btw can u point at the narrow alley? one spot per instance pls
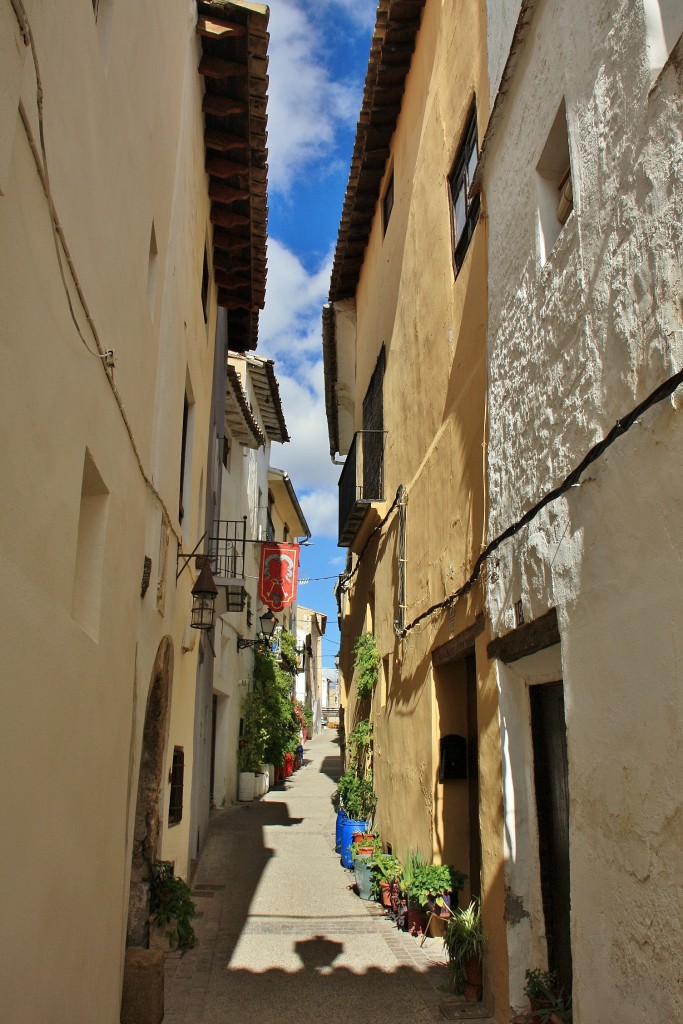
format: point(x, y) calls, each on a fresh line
point(282, 934)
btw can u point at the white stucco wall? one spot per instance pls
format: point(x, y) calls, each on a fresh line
point(123, 131)
point(574, 343)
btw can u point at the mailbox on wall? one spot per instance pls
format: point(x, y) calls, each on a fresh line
point(453, 758)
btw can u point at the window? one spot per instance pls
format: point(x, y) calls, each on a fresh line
point(186, 451)
point(373, 438)
point(152, 270)
point(388, 202)
point(92, 528)
point(205, 288)
point(464, 208)
point(175, 806)
point(554, 184)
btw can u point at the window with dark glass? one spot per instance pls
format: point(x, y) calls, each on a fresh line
point(464, 208)
point(175, 806)
point(388, 202)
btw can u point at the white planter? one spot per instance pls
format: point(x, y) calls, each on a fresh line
point(261, 784)
point(269, 771)
point(246, 786)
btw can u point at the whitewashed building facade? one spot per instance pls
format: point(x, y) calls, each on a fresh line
point(581, 172)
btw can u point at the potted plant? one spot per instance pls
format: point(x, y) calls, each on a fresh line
point(549, 1004)
point(433, 887)
point(386, 870)
point(171, 905)
point(465, 943)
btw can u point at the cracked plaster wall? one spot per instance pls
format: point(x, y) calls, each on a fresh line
point(573, 345)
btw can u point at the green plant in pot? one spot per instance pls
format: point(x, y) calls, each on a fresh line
point(465, 943)
point(549, 1004)
point(386, 869)
point(171, 904)
point(433, 886)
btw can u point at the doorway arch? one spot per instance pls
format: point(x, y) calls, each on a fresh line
point(148, 818)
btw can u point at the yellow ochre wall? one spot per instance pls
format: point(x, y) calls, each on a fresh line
point(433, 326)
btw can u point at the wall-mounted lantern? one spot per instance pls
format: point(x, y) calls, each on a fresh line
point(203, 599)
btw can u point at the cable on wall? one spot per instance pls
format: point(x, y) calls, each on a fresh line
point(59, 238)
point(622, 425)
point(346, 579)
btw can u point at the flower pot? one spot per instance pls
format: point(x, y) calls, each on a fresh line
point(341, 818)
point(246, 786)
point(347, 830)
point(435, 908)
point(473, 982)
point(363, 873)
point(385, 894)
point(416, 921)
point(361, 835)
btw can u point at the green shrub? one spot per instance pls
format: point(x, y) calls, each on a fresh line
point(171, 903)
point(366, 665)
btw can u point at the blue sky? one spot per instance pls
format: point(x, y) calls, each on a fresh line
point(318, 56)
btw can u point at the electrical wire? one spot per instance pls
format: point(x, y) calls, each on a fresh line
point(345, 578)
point(664, 390)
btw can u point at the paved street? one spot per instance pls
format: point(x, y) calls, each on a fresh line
point(282, 935)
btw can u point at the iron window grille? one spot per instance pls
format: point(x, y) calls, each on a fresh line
point(464, 207)
point(175, 805)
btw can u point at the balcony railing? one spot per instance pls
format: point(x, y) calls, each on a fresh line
point(226, 548)
point(361, 482)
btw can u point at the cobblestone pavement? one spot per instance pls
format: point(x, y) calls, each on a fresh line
point(282, 935)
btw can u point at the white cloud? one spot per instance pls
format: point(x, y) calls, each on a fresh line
point(320, 509)
point(362, 12)
point(290, 322)
point(305, 104)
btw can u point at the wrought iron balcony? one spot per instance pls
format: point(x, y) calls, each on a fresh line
point(226, 549)
point(361, 482)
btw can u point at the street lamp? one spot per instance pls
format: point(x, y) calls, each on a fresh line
point(203, 598)
point(267, 622)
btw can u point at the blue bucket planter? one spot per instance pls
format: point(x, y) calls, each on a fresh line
point(347, 830)
point(341, 818)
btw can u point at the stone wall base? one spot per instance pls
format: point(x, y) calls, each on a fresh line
point(142, 1001)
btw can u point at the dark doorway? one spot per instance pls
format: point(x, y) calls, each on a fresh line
point(214, 711)
point(457, 830)
point(549, 736)
point(473, 773)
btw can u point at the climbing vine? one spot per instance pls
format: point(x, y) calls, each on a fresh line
point(366, 665)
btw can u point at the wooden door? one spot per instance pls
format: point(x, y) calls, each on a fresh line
point(549, 736)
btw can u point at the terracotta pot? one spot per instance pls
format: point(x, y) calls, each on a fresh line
point(417, 921)
point(364, 851)
point(385, 894)
point(362, 837)
point(473, 984)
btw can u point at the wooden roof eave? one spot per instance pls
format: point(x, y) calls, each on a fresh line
point(391, 51)
point(234, 65)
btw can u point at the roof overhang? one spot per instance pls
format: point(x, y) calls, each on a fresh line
point(284, 494)
point(267, 392)
point(234, 65)
point(240, 422)
point(393, 43)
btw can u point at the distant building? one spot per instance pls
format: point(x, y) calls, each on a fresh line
point(310, 629)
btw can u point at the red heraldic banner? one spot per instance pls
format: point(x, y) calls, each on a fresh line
point(278, 575)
